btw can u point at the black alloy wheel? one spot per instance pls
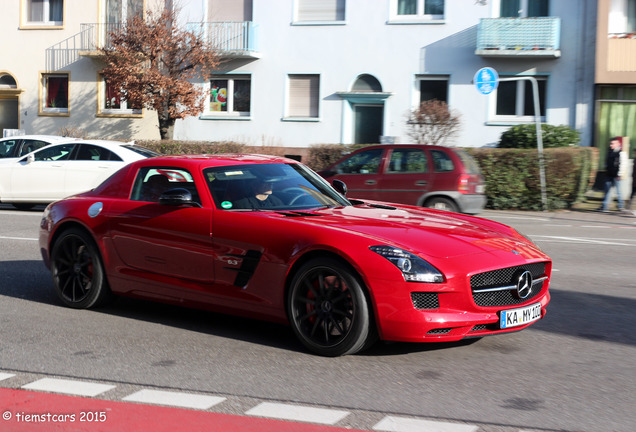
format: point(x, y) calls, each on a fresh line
point(328, 309)
point(78, 273)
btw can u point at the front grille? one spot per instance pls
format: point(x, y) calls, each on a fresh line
point(504, 278)
point(425, 300)
point(439, 331)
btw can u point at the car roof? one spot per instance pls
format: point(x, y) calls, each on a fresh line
point(394, 146)
point(52, 138)
point(220, 159)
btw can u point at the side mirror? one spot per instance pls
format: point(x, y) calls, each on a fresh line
point(340, 186)
point(30, 158)
point(177, 197)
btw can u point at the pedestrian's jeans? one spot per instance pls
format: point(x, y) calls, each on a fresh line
point(608, 188)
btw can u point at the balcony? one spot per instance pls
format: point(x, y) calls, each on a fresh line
point(621, 53)
point(519, 37)
point(230, 39)
point(236, 39)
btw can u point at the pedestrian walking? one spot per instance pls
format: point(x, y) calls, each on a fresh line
point(614, 166)
point(630, 203)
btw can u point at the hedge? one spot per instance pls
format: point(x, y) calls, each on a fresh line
point(513, 181)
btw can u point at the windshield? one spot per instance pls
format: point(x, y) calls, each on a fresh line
point(141, 150)
point(270, 187)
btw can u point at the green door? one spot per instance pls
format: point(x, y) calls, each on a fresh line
point(368, 121)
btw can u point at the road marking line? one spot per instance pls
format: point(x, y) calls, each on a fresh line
point(297, 413)
point(78, 388)
point(18, 238)
point(400, 424)
point(4, 376)
point(611, 242)
point(182, 400)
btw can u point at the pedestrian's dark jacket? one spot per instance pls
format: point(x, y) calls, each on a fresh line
point(612, 163)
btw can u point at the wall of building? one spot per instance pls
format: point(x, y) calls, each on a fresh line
point(365, 43)
point(32, 51)
point(395, 55)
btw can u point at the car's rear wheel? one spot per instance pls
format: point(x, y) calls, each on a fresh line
point(78, 273)
point(328, 309)
point(441, 203)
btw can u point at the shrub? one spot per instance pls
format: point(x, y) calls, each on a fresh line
point(173, 147)
point(512, 177)
point(525, 137)
point(432, 122)
point(322, 155)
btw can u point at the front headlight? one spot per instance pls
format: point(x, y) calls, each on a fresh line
point(413, 268)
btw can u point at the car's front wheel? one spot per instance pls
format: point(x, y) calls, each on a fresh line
point(328, 309)
point(78, 273)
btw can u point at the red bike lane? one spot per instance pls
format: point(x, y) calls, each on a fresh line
point(25, 411)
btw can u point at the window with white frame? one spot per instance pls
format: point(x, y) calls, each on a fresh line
point(44, 12)
point(523, 8)
point(320, 11)
point(55, 93)
point(622, 18)
point(303, 97)
point(417, 10)
point(432, 88)
point(112, 102)
point(515, 100)
point(230, 95)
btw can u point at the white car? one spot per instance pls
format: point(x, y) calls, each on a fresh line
point(13, 148)
point(62, 169)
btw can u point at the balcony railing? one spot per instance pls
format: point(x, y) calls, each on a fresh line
point(229, 38)
point(523, 37)
point(621, 53)
point(236, 38)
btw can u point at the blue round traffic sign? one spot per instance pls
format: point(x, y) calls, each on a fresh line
point(486, 80)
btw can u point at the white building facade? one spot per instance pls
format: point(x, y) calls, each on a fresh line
point(303, 72)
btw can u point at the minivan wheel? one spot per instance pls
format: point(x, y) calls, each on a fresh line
point(441, 203)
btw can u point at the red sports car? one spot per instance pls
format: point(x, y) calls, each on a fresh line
point(266, 237)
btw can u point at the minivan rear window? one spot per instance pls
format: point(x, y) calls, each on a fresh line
point(471, 165)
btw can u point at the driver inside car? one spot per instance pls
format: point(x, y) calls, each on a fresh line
point(259, 196)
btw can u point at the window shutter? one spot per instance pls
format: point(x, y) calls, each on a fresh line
point(303, 95)
point(321, 10)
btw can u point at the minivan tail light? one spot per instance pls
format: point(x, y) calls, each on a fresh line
point(463, 186)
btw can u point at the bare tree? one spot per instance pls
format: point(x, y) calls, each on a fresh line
point(153, 62)
point(432, 122)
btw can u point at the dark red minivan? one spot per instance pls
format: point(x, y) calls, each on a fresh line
point(423, 175)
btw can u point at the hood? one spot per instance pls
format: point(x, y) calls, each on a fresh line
point(431, 232)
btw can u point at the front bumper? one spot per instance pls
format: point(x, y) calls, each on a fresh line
point(423, 312)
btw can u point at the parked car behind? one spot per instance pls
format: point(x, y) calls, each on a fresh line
point(12, 148)
point(62, 169)
point(422, 175)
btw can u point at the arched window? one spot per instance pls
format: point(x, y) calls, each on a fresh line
point(7, 81)
point(366, 83)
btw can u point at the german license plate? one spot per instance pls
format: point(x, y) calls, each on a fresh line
point(520, 316)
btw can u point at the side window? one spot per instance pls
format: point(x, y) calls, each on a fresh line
point(54, 94)
point(441, 161)
point(153, 181)
point(96, 153)
point(7, 148)
point(31, 145)
point(408, 161)
point(55, 153)
point(365, 162)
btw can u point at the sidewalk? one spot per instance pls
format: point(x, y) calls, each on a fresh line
point(586, 211)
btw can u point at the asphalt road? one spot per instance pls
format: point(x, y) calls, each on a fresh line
point(575, 370)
